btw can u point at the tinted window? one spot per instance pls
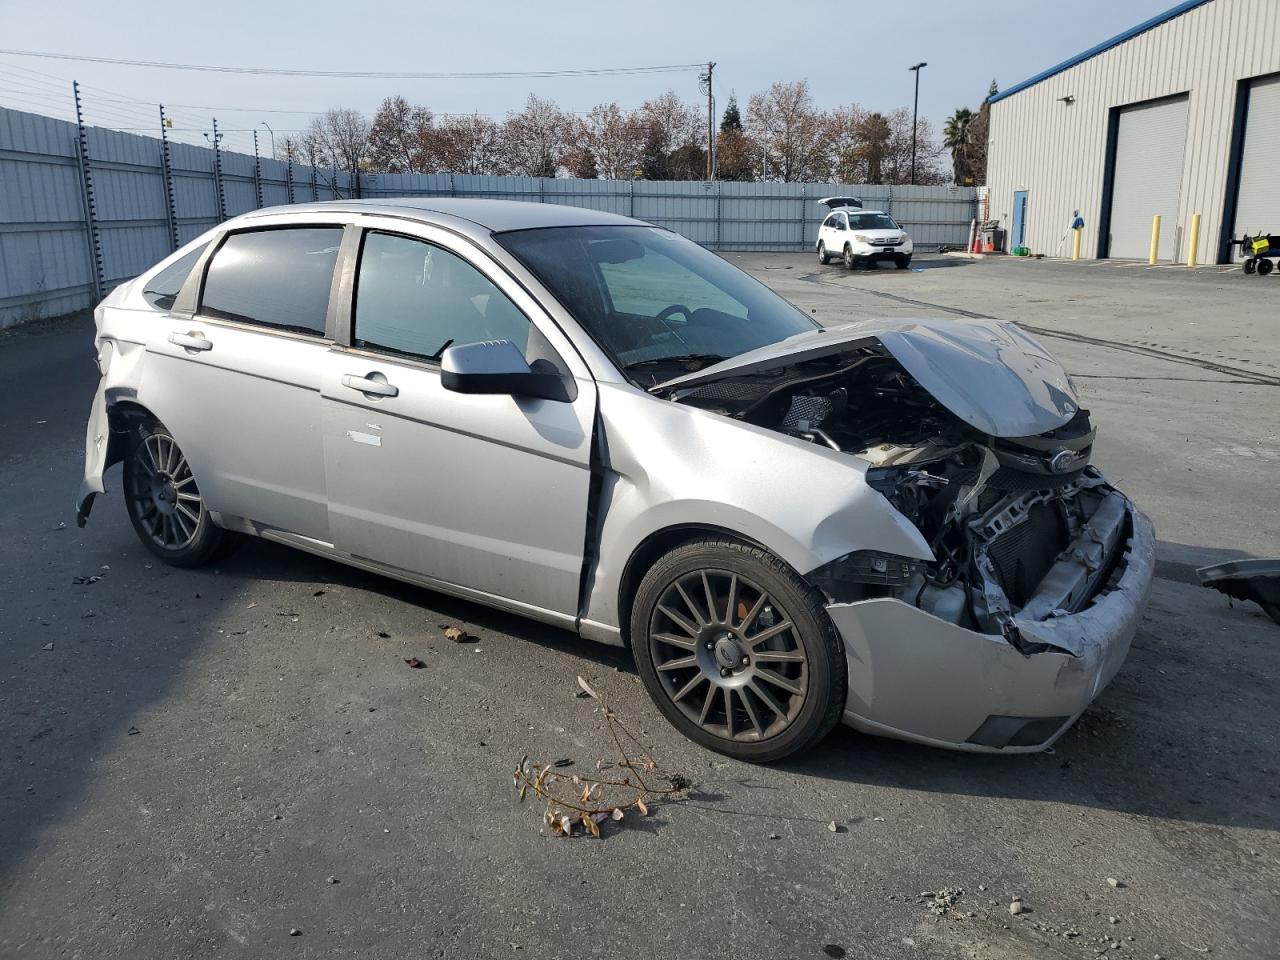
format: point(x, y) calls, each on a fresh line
point(645, 294)
point(163, 289)
point(276, 278)
point(415, 298)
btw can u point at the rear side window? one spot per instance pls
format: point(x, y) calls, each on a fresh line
point(163, 289)
point(274, 278)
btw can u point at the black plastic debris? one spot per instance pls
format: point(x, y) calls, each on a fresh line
point(1256, 580)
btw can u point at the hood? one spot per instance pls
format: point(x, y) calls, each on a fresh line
point(989, 373)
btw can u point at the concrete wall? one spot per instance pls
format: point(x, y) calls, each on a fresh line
point(1057, 151)
point(47, 263)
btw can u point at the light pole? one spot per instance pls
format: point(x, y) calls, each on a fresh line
point(915, 110)
point(263, 123)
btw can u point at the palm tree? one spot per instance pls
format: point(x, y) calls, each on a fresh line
point(955, 137)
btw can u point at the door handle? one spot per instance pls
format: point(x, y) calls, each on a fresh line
point(368, 385)
point(191, 341)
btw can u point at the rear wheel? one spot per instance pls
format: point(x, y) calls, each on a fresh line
point(164, 501)
point(737, 651)
point(823, 257)
point(1265, 266)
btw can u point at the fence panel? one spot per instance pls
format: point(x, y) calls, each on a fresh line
point(46, 265)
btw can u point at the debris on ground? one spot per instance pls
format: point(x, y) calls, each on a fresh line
point(1114, 883)
point(382, 634)
point(331, 879)
point(835, 827)
point(573, 800)
point(295, 932)
point(458, 635)
point(134, 731)
point(584, 690)
point(941, 901)
point(80, 581)
point(1016, 907)
point(414, 663)
point(318, 593)
point(48, 646)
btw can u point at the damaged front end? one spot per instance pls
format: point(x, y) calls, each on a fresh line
point(1041, 567)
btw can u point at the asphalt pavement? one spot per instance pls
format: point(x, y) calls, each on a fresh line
point(237, 761)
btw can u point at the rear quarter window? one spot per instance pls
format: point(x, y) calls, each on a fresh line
point(277, 278)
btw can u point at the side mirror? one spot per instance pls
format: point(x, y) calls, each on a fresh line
point(498, 366)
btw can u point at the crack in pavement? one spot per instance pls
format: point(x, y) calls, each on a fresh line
point(1244, 376)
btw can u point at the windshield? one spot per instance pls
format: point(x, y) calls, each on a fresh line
point(871, 221)
point(650, 297)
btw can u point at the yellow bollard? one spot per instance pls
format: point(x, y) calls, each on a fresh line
point(1193, 254)
point(1075, 245)
point(1155, 239)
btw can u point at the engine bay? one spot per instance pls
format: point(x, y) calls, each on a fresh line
point(1018, 526)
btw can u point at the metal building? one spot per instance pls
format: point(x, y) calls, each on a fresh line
point(1179, 115)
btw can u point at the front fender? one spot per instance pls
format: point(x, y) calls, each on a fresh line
point(669, 465)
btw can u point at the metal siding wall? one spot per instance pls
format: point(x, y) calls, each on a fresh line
point(44, 260)
point(1258, 206)
point(1057, 151)
point(1151, 146)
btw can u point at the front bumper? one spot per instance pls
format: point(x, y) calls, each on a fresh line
point(917, 677)
point(869, 253)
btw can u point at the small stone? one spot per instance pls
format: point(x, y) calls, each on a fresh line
point(47, 646)
point(834, 827)
point(774, 836)
point(1016, 907)
point(981, 887)
point(1114, 883)
point(276, 816)
point(295, 932)
point(1113, 919)
point(331, 879)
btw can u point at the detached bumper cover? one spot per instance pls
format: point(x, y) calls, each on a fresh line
point(917, 677)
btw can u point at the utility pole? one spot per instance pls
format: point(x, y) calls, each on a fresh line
point(915, 111)
point(704, 81)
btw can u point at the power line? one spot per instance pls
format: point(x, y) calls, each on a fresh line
point(362, 74)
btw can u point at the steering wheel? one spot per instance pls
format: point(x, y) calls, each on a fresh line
point(667, 312)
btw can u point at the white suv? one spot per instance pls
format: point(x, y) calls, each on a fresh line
point(859, 236)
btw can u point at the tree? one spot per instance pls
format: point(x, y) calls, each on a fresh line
point(875, 135)
point(467, 144)
point(339, 139)
point(955, 137)
point(736, 155)
point(401, 139)
point(789, 131)
point(615, 138)
point(670, 125)
point(533, 142)
point(732, 119)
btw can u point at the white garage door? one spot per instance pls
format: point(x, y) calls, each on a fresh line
point(1258, 205)
point(1150, 147)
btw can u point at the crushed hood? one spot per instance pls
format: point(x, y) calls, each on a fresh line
point(989, 373)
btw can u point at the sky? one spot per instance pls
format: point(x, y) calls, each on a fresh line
point(855, 50)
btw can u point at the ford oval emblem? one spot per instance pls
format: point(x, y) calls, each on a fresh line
point(1064, 461)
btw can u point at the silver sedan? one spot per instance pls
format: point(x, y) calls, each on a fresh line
point(598, 424)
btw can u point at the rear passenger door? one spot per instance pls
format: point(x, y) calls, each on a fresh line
point(487, 493)
point(237, 379)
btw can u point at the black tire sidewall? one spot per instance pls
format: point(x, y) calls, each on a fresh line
point(822, 253)
point(209, 538)
point(828, 672)
point(850, 261)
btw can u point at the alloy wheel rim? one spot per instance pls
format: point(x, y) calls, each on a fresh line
point(163, 494)
point(728, 656)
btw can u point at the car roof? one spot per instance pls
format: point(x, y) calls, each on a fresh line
point(496, 216)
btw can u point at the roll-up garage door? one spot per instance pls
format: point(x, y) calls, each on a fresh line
point(1258, 205)
point(1150, 146)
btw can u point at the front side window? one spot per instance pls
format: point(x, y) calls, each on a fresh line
point(162, 290)
point(872, 221)
point(416, 299)
point(650, 297)
point(277, 278)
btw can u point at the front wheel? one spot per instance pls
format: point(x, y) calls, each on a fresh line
point(1265, 266)
point(850, 261)
point(165, 505)
point(902, 262)
point(823, 257)
point(1250, 265)
point(737, 651)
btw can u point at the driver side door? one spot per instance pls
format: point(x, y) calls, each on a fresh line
point(480, 495)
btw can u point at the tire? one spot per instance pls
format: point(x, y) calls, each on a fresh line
point(165, 506)
point(711, 673)
point(1265, 266)
point(850, 261)
point(1250, 265)
point(823, 257)
point(902, 262)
